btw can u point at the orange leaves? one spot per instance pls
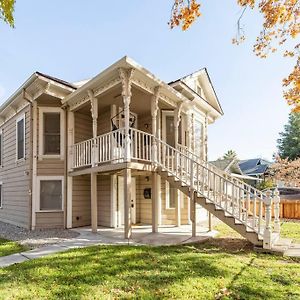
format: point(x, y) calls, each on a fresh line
point(184, 13)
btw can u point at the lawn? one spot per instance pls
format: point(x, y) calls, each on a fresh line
point(288, 229)
point(9, 247)
point(202, 271)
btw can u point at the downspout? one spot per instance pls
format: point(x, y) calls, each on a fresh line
point(30, 156)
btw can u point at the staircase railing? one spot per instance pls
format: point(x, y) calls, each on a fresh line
point(246, 204)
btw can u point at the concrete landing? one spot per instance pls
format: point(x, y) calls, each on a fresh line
point(141, 235)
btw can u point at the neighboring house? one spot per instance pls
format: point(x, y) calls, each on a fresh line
point(116, 150)
point(232, 167)
point(256, 168)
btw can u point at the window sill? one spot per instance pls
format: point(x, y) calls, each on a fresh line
point(49, 211)
point(50, 156)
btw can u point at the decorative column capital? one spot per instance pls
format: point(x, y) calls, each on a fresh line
point(154, 102)
point(126, 79)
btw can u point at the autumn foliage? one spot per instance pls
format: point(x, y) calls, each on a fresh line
point(287, 171)
point(280, 26)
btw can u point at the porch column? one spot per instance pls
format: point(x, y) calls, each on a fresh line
point(127, 200)
point(177, 118)
point(154, 110)
point(205, 158)
point(70, 116)
point(126, 77)
point(155, 201)
point(94, 208)
point(94, 113)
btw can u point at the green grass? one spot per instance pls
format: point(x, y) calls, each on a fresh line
point(9, 247)
point(202, 271)
point(291, 230)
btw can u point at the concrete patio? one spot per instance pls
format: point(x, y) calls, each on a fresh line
point(141, 235)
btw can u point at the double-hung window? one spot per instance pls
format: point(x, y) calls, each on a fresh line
point(51, 132)
point(20, 137)
point(50, 193)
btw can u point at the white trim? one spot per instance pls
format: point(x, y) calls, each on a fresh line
point(43, 110)
point(1, 195)
point(34, 195)
point(18, 119)
point(49, 178)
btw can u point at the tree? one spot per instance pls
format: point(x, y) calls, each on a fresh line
point(230, 154)
point(6, 11)
point(281, 24)
point(289, 141)
point(286, 171)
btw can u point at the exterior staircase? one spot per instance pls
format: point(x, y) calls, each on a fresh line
point(239, 205)
point(250, 212)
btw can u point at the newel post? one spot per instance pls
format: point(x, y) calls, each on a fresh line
point(154, 111)
point(126, 78)
point(276, 201)
point(268, 216)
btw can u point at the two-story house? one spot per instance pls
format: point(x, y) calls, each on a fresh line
point(119, 149)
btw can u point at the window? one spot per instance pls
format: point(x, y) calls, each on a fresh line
point(51, 132)
point(1, 200)
point(1, 147)
point(199, 138)
point(170, 196)
point(51, 194)
point(199, 90)
point(20, 131)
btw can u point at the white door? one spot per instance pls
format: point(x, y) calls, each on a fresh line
point(132, 212)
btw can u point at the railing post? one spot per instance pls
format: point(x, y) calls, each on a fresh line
point(276, 201)
point(267, 243)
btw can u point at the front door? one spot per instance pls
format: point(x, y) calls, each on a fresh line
point(132, 212)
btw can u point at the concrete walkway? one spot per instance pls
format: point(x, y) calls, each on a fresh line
point(141, 235)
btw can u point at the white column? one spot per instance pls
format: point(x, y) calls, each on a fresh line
point(127, 203)
point(94, 206)
point(155, 199)
point(154, 110)
point(94, 112)
point(126, 75)
point(193, 202)
point(70, 116)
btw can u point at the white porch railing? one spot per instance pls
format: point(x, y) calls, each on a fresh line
point(247, 205)
point(110, 147)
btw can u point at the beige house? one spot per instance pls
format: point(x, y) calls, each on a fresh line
point(122, 148)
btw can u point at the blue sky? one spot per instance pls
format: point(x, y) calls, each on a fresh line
point(74, 40)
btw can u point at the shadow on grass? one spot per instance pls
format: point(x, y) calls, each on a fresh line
point(110, 272)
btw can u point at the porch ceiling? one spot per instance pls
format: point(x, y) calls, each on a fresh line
point(140, 101)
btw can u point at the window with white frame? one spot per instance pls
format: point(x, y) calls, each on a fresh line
point(20, 137)
point(51, 132)
point(198, 137)
point(170, 196)
point(1, 148)
point(50, 193)
point(1, 193)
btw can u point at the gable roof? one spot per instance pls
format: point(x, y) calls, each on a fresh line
point(255, 166)
point(205, 78)
point(227, 165)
